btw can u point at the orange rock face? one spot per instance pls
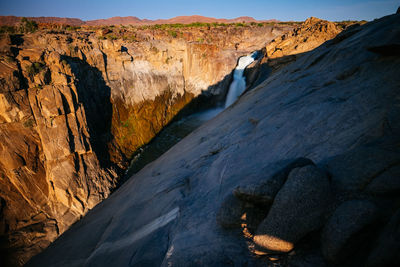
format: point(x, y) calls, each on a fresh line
point(291, 45)
point(311, 34)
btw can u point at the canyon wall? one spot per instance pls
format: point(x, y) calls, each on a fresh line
point(75, 106)
point(303, 170)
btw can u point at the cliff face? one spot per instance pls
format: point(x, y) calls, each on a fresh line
point(306, 162)
point(75, 106)
point(291, 45)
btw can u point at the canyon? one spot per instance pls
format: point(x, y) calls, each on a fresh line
point(301, 170)
point(76, 106)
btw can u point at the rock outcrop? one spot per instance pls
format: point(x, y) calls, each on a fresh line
point(349, 219)
point(306, 191)
point(288, 47)
point(334, 100)
point(75, 106)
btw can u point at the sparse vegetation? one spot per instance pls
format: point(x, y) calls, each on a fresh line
point(131, 38)
point(174, 34)
point(292, 23)
point(34, 69)
point(10, 59)
point(167, 60)
point(72, 28)
point(29, 123)
point(111, 37)
point(7, 29)
point(28, 25)
point(154, 49)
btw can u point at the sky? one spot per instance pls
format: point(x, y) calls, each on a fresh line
point(298, 10)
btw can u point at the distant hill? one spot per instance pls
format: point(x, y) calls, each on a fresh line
point(196, 18)
point(115, 21)
point(13, 20)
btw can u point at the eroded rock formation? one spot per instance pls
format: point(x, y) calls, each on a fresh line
point(75, 106)
point(206, 201)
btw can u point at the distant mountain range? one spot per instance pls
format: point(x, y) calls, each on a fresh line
point(13, 20)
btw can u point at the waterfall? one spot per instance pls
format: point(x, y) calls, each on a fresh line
point(238, 84)
point(177, 130)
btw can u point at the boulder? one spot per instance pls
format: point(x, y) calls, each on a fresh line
point(341, 235)
point(387, 247)
point(298, 209)
point(353, 170)
point(264, 192)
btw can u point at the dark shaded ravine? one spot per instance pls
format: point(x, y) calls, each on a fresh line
point(167, 138)
point(177, 130)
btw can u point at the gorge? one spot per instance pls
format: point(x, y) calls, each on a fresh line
point(301, 170)
point(76, 106)
point(174, 132)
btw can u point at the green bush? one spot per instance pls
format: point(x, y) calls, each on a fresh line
point(73, 28)
point(131, 38)
point(174, 34)
point(34, 69)
point(10, 59)
point(111, 37)
point(29, 123)
point(7, 29)
point(28, 25)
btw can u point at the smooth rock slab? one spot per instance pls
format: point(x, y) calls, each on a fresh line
point(340, 236)
point(297, 210)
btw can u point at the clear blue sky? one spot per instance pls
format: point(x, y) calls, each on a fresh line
point(154, 9)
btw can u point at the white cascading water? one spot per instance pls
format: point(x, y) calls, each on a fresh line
point(179, 129)
point(238, 84)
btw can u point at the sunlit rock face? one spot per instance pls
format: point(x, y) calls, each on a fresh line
point(327, 123)
point(75, 106)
